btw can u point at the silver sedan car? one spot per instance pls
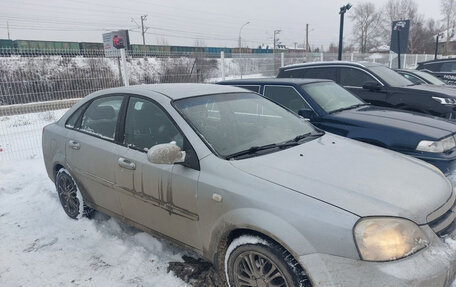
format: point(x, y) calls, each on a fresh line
point(254, 189)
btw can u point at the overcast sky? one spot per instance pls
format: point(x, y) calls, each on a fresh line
point(181, 22)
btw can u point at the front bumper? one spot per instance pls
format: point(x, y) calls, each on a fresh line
point(434, 266)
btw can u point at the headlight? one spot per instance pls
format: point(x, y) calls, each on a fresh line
point(385, 238)
point(437, 146)
point(445, 101)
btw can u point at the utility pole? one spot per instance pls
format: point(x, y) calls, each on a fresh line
point(275, 33)
point(143, 29)
point(7, 28)
point(307, 38)
point(342, 12)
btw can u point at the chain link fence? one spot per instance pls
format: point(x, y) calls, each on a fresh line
point(37, 86)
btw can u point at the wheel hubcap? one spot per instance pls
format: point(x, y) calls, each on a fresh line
point(67, 194)
point(252, 269)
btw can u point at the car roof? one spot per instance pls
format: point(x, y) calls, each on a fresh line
point(177, 91)
point(437, 61)
point(363, 64)
point(277, 81)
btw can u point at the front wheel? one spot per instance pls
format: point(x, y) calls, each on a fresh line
point(70, 196)
point(253, 261)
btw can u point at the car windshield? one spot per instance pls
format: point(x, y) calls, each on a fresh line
point(390, 77)
point(430, 78)
point(331, 97)
point(236, 122)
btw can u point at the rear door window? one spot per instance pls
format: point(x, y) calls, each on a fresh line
point(350, 77)
point(100, 118)
point(449, 67)
point(287, 97)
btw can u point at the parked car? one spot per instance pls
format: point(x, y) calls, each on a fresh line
point(334, 109)
point(421, 78)
point(253, 188)
point(444, 69)
point(380, 86)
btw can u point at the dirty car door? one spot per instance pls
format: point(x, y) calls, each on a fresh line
point(161, 197)
point(91, 152)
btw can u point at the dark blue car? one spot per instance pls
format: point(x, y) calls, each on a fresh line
point(334, 109)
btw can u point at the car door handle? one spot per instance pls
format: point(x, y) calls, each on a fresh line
point(74, 144)
point(126, 163)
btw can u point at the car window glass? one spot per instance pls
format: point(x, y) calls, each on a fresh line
point(71, 122)
point(354, 77)
point(448, 67)
point(329, 73)
point(330, 96)
point(413, 79)
point(101, 116)
point(255, 89)
point(311, 73)
point(246, 120)
point(147, 125)
point(287, 97)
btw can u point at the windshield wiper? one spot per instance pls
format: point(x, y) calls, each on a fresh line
point(254, 149)
point(349, 108)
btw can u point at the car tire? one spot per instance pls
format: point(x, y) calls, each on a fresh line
point(254, 261)
point(70, 196)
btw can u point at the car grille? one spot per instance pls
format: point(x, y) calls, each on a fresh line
point(442, 221)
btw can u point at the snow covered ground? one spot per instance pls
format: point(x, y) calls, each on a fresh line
point(41, 246)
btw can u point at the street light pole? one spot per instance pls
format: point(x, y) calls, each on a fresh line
point(342, 12)
point(240, 39)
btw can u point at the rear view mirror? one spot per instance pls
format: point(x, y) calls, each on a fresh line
point(307, 114)
point(168, 153)
point(372, 86)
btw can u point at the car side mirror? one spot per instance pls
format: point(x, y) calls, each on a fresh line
point(168, 153)
point(307, 114)
point(372, 86)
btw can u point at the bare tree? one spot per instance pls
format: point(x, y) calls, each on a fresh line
point(366, 25)
point(405, 10)
point(448, 10)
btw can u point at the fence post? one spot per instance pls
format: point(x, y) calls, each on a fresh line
point(416, 60)
point(352, 57)
point(124, 66)
point(321, 56)
point(222, 59)
point(405, 61)
point(282, 59)
point(425, 57)
point(391, 60)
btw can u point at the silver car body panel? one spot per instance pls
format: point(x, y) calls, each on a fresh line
point(307, 197)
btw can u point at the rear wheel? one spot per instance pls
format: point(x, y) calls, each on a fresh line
point(70, 196)
point(257, 262)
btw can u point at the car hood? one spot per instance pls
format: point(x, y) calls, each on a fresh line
point(359, 178)
point(383, 118)
point(444, 90)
